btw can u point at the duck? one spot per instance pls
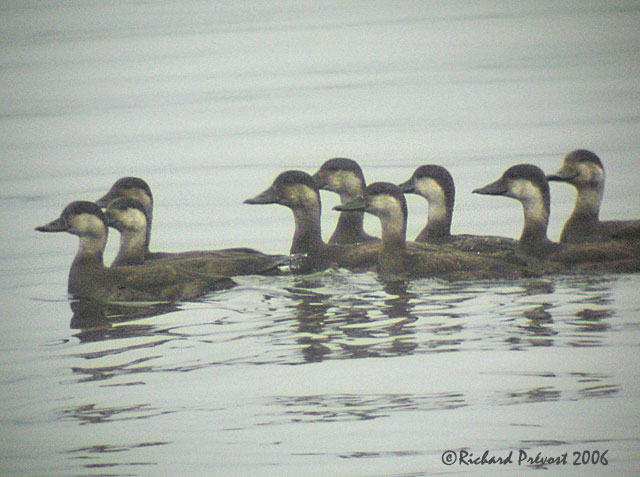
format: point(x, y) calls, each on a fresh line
point(138, 189)
point(344, 177)
point(399, 260)
point(528, 184)
point(435, 184)
point(583, 169)
point(297, 190)
point(90, 279)
point(129, 217)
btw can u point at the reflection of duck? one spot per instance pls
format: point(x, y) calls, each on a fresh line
point(345, 178)
point(528, 184)
point(583, 170)
point(138, 189)
point(396, 262)
point(129, 217)
point(96, 320)
point(297, 191)
point(89, 278)
point(436, 185)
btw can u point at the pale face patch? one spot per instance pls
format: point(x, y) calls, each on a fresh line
point(589, 173)
point(299, 196)
point(384, 205)
point(130, 220)
point(343, 182)
point(389, 210)
point(530, 196)
point(86, 225)
point(433, 192)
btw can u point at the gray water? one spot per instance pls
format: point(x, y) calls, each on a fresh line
point(330, 374)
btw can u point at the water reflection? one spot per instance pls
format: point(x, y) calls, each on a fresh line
point(96, 320)
point(357, 407)
point(357, 325)
point(93, 457)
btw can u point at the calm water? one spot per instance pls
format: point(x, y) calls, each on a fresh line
point(330, 374)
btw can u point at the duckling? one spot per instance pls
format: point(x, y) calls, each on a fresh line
point(90, 279)
point(297, 191)
point(584, 170)
point(129, 217)
point(528, 184)
point(345, 178)
point(138, 189)
point(397, 262)
point(435, 184)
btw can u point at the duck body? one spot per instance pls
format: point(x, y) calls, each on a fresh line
point(400, 261)
point(344, 177)
point(297, 191)
point(528, 184)
point(436, 185)
point(584, 170)
point(90, 279)
point(129, 205)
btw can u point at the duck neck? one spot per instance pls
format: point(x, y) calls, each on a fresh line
point(132, 248)
point(587, 207)
point(308, 234)
point(350, 227)
point(394, 231)
point(392, 265)
point(90, 251)
point(438, 221)
point(536, 221)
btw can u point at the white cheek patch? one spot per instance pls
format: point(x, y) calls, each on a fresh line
point(351, 182)
point(433, 192)
point(385, 204)
point(133, 219)
point(590, 173)
point(302, 195)
point(86, 224)
point(530, 196)
point(344, 181)
point(428, 188)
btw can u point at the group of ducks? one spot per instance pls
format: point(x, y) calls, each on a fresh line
point(586, 243)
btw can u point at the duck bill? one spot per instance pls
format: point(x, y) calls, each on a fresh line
point(563, 175)
point(269, 196)
point(58, 225)
point(355, 205)
point(495, 188)
point(407, 187)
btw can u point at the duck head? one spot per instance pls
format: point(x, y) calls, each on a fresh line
point(342, 176)
point(527, 184)
point(297, 191)
point(86, 220)
point(581, 168)
point(129, 188)
point(387, 202)
point(132, 188)
point(79, 218)
point(128, 217)
point(436, 185)
point(293, 189)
